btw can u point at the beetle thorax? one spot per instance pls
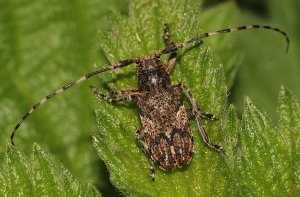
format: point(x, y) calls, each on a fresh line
point(151, 74)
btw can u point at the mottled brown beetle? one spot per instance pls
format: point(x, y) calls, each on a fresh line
point(165, 135)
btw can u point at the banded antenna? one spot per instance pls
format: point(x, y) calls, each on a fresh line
point(170, 49)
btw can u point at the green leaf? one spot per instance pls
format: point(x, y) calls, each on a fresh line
point(268, 157)
point(39, 176)
point(289, 124)
point(42, 49)
point(44, 45)
point(266, 66)
point(218, 17)
point(257, 150)
point(115, 142)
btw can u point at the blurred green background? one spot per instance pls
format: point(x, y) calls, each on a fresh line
point(45, 44)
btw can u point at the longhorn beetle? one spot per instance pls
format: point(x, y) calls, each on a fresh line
point(165, 135)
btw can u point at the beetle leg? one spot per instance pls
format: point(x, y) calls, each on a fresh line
point(140, 138)
point(197, 113)
point(203, 115)
point(115, 96)
point(172, 58)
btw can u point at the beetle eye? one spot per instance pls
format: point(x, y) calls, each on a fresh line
point(157, 56)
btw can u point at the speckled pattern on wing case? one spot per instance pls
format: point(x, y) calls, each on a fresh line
point(165, 135)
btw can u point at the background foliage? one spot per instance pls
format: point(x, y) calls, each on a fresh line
point(42, 49)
